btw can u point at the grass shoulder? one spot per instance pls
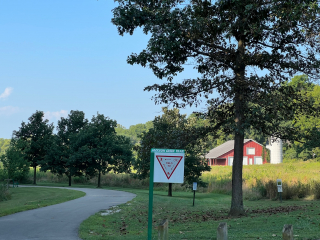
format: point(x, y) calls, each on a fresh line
point(26, 198)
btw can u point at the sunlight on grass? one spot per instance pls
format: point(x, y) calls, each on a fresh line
point(202, 220)
point(26, 198)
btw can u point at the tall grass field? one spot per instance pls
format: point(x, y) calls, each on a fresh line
point(299, 179)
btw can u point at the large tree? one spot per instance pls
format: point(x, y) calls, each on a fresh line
point(173, 130)
point(309, 126)
point(60, 156)
point(229, 42)
point(101, 149)
point(15, 166)
point(37, 135)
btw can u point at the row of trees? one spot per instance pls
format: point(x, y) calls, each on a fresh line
point(78, 148)
point(93, 148)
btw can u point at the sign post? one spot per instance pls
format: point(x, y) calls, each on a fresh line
point(166, 166)
point(194, 187)
point(150, 196)
point(279, 186)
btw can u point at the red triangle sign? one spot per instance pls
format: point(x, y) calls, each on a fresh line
point(169, 164)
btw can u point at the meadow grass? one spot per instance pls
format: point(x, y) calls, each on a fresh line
point(300, 179)
point(26, 198)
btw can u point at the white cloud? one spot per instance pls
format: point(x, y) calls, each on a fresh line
point(8, 110)
point(6, 93)
point(55, 115)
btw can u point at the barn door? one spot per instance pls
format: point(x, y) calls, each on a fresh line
point(230, 161)
point(245, 160)
point(258, 160)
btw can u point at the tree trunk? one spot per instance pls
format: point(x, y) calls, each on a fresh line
point(35, 175)
point(69, 179)
point(170, 190)
point(239, 101)
point(237, 197)
point(99, 179)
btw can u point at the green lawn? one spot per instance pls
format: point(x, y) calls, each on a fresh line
point(264, 220)
point(33, 197)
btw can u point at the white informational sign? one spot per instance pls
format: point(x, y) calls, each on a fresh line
point(195, 186)
point(168, 165)
point(279, 185)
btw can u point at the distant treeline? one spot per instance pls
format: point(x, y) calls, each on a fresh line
point(4, 144)
point(134, 131)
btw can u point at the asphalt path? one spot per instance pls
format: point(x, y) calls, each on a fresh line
point(60, 221)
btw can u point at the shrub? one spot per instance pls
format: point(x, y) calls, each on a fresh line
point(252, 194)
point(316, 190)
point(4, 193)
point(14, 164)
point(2, 175)
point(271, 189)
point(295, 190)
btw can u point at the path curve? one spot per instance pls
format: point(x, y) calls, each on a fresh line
point(60, 221)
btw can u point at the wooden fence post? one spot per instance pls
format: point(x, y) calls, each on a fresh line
point(287, 232)
point(222, 232)
point(163, 230)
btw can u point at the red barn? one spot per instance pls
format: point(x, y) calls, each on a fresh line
point(223, 154)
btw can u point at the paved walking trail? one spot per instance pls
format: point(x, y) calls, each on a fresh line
point(60, 221)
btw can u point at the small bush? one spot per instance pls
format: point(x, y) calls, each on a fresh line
point(295, 190)
point(4, 193)
point(271, 189)
point(252, 194)
point(2, 174)
point(80, 179)
point(316, 190)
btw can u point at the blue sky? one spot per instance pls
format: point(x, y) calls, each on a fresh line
point(64, 55)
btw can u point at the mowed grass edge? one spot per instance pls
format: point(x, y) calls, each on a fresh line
point(265, 218)
point(26, 198)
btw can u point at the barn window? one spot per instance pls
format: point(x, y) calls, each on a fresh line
point(251, 151)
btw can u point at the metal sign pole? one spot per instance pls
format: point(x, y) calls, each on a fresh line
point(150, 196)
point(279, 185)
point(194, 188)
point(194, 196)
point(166, 166)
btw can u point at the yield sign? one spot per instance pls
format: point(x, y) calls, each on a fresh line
point(169, 163)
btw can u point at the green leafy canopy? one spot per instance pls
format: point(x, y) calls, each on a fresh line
point(229, 42)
